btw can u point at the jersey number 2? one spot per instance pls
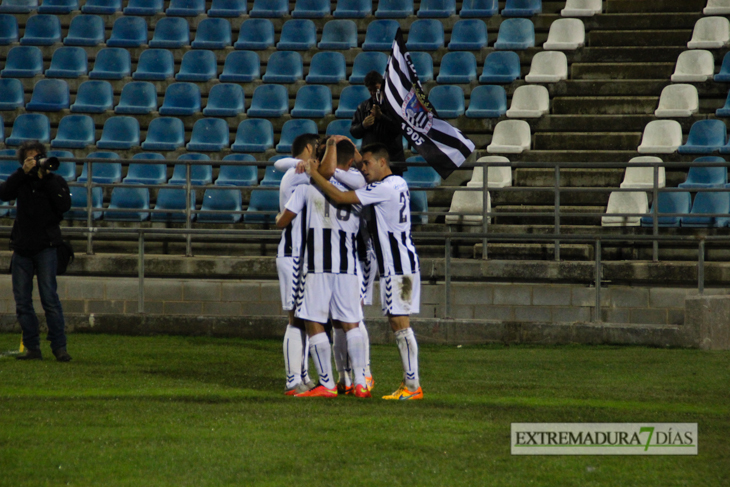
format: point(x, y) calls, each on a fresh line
point(404, 207)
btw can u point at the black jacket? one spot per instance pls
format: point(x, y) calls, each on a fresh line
point(40, 204)
point(385, 130)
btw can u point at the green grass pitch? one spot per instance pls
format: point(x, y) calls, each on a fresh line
point(177, 411)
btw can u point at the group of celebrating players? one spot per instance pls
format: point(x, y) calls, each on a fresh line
point(344, 215)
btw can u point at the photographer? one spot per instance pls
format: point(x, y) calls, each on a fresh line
point(372, 125)
point(41, 199)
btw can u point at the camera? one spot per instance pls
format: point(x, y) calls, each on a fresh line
point(46, 163)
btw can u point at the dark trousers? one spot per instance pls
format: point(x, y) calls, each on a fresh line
point(43, 264)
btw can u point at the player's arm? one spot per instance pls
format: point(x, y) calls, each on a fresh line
point(284, 219)
point(293, 207)
point(339, 197)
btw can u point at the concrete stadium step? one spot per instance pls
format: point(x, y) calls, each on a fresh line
point(583, 178)
point(631, 6)
point(604, 105)
point(616, 38)
point(586, 140)
point(602, 123)
point(538, 251)
point(605, 71)
point(545, 196)
point(629, 54)
point(645, 21)
point(547, 215)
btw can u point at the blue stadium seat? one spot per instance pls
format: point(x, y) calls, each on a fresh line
point(448, 100)
point(138, 97)
point(49, 95)
point(66, 169)
point(212, 34)
point(209, 135)
point(255, 34)
point(254, 135)
point(350, 99)
point(68, 62)
point(128, 199)
point(2, 126)
point(103, 7)
point(79, 200)
point(425, 35)
point(58, 6)
point(225, 100)
point(271, 9)
point(112, 63)
point(327, 68)
point(173, 201)
point(705, 203)
point(171, 33)
point(147, 173)
point(297, 35)
point(119, 133)
point(380, 34)
point(264, 201)
point(227, 8)
point(394, 9)
point(23, 62)
point(422, 177)
point(155, 65)
point(521, 8)
point(423, 62)
point(42, 30)
point(215, 200)
point(419, 203)
point(30, 126)
point(185, 8)
point(437, 9)
point(705, 137)
point(165, 133)
point(725, 110)
point(311, 9)
point(269, 101)
point(238, 175)
point(312, 102)
point(241, 67)
point(11, 94)
point(200, 174)
point(342, 127)
point(75, 132)
point(724, 74)
point(144, 7)
point(284, 67)
point(478, 8)
point(366, 62)
point(706, 177)
point(339, 34)
point(128, 32)
point(8, 29)
point(198, 66)
point(458, 67)
point(18, 6)
point(181, 99)
point(501, 67)
point(518, 34)
point(468, 35)
point(353, 9)
point(291, 129)
point(669, 203)
point(85, 30)
point(272, 177)
point(102, 172)
point(8, 166)
point(487, 102)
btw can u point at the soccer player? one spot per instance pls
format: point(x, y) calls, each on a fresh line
point(330, 279)
point(400, 281)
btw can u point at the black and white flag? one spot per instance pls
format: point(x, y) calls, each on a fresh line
point(443, 146)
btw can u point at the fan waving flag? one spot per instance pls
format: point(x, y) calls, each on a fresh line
point(443, 146)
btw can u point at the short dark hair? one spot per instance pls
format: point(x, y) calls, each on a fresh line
point(28, 146)
point(345, 152)
point(302, 141)
point(378, 150)
point(322, 147)
point(373, 78)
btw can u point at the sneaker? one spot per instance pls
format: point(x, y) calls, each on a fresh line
point(319, 391)
point(298, 389)
point(31, 355)
point(403, 394)
point(362, 391)
point(344, 390)
point(62, 355)
point(370, 383)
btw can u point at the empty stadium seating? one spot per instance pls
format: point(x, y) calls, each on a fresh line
point(311, 9)
point(181, 99)
point(225, 100)
point(529, 101)
point(694, 66)
point(394, 9)
point(425, 35)
point(706, 203)
point(515, 34)
point(128, 32)
point(366, 62)
point(171, 33)
point(488, 101)
point(23, 62)
point(227, 8)
point(128, 199)
point(705, 137)
point(102, 172)
point(675, 202)
point(104, 7)
point(112, 63)
point(185, 8)
point(220, 200)
point(353, 9)
point(11, 94)
point(230, 175)
point(679, 100)
point(198, 66)
point(717, 7)
point(710, 33)
point(468, 35)
point(297, 35)
point(284, 67)
point(8, 29)
point(458, 67)
point(478, 8)
point(154, 65)
point(200, 174)
point(436, 8)
point(255, 34)
point(49, 95)
point(30, 126)
point(290, 131)
point(143, 7)
point(500, 67)
point(68, 62)
point(642, 177)
point(327, 67)
point(700, 177)
point(521, 8)
point(209, 135)
point(212, 33)
point(119, 133)
point(582, 8)
point(661, 137)
point(625, 202)
point(565, 35)
point(79, 201)
point(312, 102)
point(171, 205)
point(350, 99)
point(165, 133)
point(548, 67)
point(262, 201)
point(85, 30)
point(19, 6)
point(147, 173)
point(269, 8)
point(138, 97)
point(510, 137)
point(254, 135)
point(339, 34)
point(448, 100)
point(74, 132)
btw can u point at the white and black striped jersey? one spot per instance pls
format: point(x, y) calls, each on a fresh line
point(290, 242)
point(390, 230)
point(331, 231)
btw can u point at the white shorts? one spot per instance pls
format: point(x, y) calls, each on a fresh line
point(288, 270)
point(401, 295)
point(335, 295)
point(368, 269)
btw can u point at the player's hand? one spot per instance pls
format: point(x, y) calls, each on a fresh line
point(376, 111)
point(278, 217)
point(369, 121)
point(300, 167)
point(28, 164)
point(312, 166)
point(336, 139)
